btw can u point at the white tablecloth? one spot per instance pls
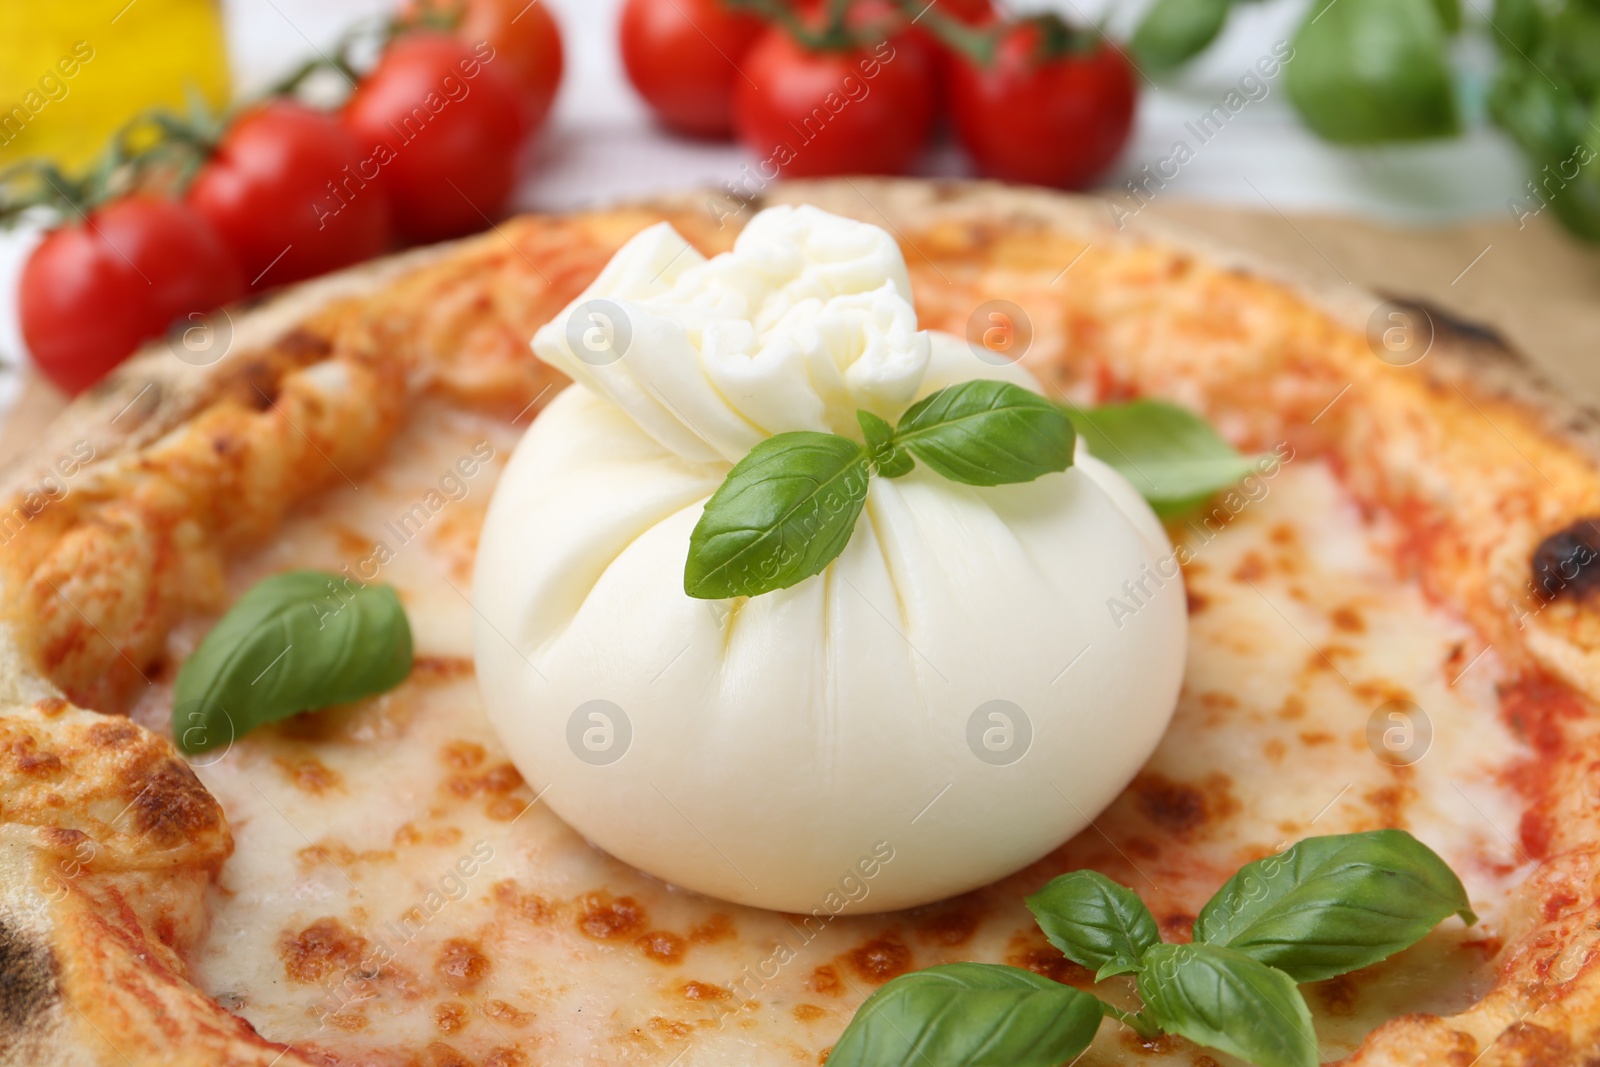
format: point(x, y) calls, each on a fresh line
point(601, 145)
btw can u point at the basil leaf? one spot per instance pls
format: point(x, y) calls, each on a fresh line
point(1173, 32)
point(1373, 71)
point(1518, 26)
point(972, 1015)
point(987, 433)
point(296, 641)
point(1333, 904)
point(1170, 454)
point(1546, 120)
point(1227, 1001)
point(785, 512)
point(887, 460)
point(1095, 922)
point(1573, 47)
point(1449, 12)
point(1578, 205)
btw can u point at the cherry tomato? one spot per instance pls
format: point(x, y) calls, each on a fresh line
point(93, 291)
point(526, 43)
point(865, 110)
point(684, 57)
point(972, 12)
point(1050, 120)
point(444, 129)
point(289, 192)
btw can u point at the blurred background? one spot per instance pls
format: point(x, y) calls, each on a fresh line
point(1451, 219)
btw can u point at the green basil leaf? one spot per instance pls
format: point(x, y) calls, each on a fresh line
point(987, 433)
point(1173, 32)
point(1578, 205)
point(1518, 26)
point(1095, 922)
point(1373, 71)
point(1547, 120)
point(887, 460)
point(1449, 12)
point(1333, 904)
point(971, 1015)
point(296, 641)
point(1572, 51)
point(1227, 1001)
point(785, 512)
point(1170, 454)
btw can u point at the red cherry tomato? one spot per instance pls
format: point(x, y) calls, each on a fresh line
point(444, 130)
point(684, 57)
point(526, 43)
point(289, 192)
point(866, 110)
point(1049, 120)
point(972, 12)
point(94, 290)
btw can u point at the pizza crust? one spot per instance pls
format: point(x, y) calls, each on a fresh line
point(191, 463)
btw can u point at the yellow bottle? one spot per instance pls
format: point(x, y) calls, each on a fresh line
point(73, 71)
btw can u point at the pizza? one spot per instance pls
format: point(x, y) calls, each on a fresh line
point(1393, 626)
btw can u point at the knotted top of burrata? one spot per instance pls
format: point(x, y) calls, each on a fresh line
point(948, 701)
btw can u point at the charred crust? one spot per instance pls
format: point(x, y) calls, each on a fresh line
point(1564, 562)
point(1567, 563)
point(28, 982)
point(1448, 325)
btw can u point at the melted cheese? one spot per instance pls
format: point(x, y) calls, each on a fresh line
point(396, 895)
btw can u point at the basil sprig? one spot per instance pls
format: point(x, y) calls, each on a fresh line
point(969, 1013)
point(295, 642)
point(788, 508)
point(1324, 907)
point(1170, 454)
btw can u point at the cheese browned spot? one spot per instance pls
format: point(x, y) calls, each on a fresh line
point(322, 949)
point(1029, 950)
point(694, 990)
point(451, 1016)
point(310, 774)
point(462, 964)
point(662, 946)
point(608, 919)
point(880, 959)
point(948, 925)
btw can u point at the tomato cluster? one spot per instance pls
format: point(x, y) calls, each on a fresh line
point(818, 87)
point(427, 146)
